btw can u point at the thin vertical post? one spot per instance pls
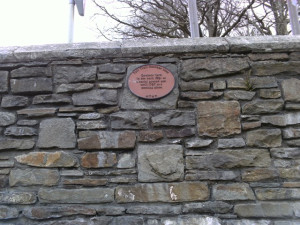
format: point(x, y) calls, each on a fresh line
point(294, 20)
point(71, 21)
point(193, 18)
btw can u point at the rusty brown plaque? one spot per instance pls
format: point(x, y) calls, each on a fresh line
point(151, 81)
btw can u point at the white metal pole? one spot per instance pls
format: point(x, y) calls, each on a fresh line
point(71, 21)
point(193, 18)
point(293, 11)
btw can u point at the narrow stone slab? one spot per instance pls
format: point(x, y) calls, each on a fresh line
point(207, 207)
point(285, 153)
point(70, 88)
point(108, 140)
point(37, 112)
point(291, 133)
point(160, 163)
point(18, 144)
point(91, 125)
point(29, 177)
point(236, 191)
point(270, 93)
point(51, 99)
point(57, 133)
point(193, 95)
point(48, 159)
point(17, 198)
point(191, 220)
point(194, 69)
point(278, 193)
point(20, 131)
point(150, 136)
point(264, 209)
point(197, 175)
point(197, 143)
point(112, 68)
point(174, 118)
point(194, 86)
point(30, 72)
point(218, 119)
point(95, 97)
point(271, 68)
point(46, 212)
point(239, 95)
point(157, 210)
point(231, 143)
point(260, 174)
point(163, 192)
point(31, 85)
point(76, 196)
point(263, 107)
point(99, 160)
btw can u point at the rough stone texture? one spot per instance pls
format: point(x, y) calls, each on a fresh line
point(228, 159)
point(263, 107)
point(129, 120)
point(194, 69)
point(72, 74)
point(41, 213)
point(239, 95)
point(274, 68)
point(180, 133)
point(227, 192)
point(57, 133)
point(264, 209)
point(3, 81)
point(31, 85)
point(11, 101)
point(150, 136)
point(47, 159)
point(20, 131)
point(197, 143)
point(78, 87)
point(194, 86)
point(29, 177)
point(90, 116)
point(174, 118)
point(217, 119)
point(51, 99)
point(285, 153)
point(211, 175)
point(8, 213)
point(126, 161)
point(207, 207)
point(277, 194)
point(30, 72)
point(18, 198)
point(163, 192)
point(231, 143)
point(291, 133)
point(191, 220)
point(160, 163)
point(112, 68)
point(76, 196)
point(264, 138)
point(148, 210)
point(85, 182)
point(99, 160)
point(95, 97)
point(247, 222)
point(260, 174)
point(192, 95)
point(91, 125)
point(290, 89)
point(270, 93)
point(18, 144)
point(282, 120)
point(107, 140)
point(37, 112)
point(7, 118)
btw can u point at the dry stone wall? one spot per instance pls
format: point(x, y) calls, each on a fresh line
point(77, 147)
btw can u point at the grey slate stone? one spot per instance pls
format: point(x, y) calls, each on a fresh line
point(270, 93)
point(130, 120)
point(174, 118)
point(211, 175)
point(290, 89)
point(74, 74)
point(17, 198)
point(197, 143)
point(156, 210)
point(191, 220)
point(90, 116)
point(7, 118)
point(76, 196)
point(126, 161)
point(239, 95)
point(271, 68)
point(20, 131)
point(264, 138)
point(247, 222)
point(160, 163)
point(10, 101)
point(95, 97)
point(207, 207)
point(31, 85)
point(29, 177)
point(291, 132)
point(233, 191)
point(263, 107)
point(8, 213)
point(78, 87)
point(19, 144)
point(112, 68)
point(3, 81)
point(194, 86)
point(57, 133)
point(51, 99)
point(91, 125)
point(285, 153)
point(231, 143)
point(194, 69)
point(31, 72)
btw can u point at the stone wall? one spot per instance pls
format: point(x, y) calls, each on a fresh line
point(77, 147)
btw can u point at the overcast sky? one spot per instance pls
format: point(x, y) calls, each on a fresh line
point(35, 22)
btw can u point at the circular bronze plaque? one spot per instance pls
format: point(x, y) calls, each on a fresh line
point(151, 81)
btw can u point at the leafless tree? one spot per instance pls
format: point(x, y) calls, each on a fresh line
point(169, 18)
